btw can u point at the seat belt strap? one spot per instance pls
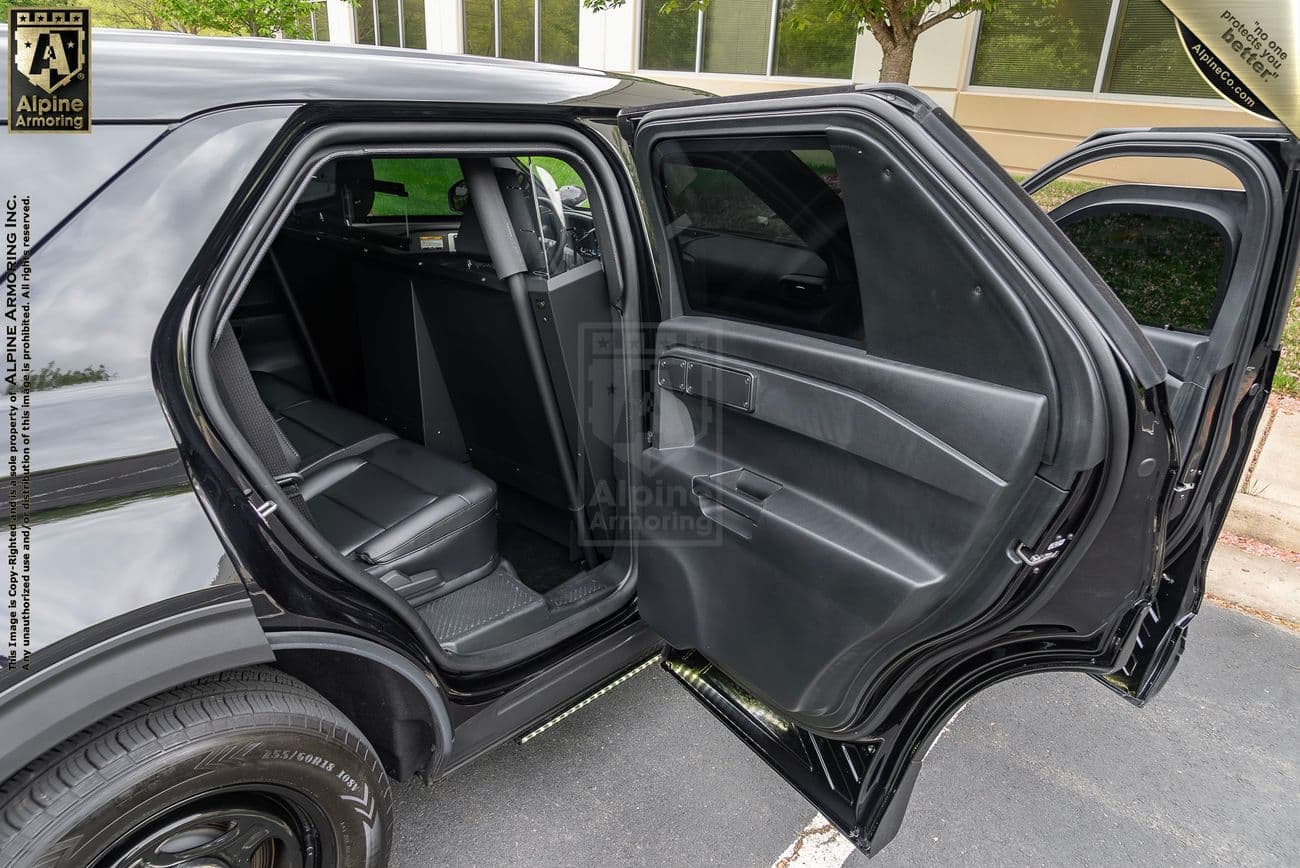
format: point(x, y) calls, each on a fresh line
point(235, 382)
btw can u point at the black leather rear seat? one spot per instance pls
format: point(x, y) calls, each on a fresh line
point(388, 502)
point(318, 429)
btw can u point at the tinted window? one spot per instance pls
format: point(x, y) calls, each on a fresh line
point(426, 181)
point(1167, 270)
point(762, 235)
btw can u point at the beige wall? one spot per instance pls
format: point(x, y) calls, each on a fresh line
point(1024, 131)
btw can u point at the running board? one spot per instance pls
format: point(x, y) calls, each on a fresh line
point(618, 680)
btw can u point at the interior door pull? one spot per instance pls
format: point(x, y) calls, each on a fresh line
point(707, 488)
point(735, 499)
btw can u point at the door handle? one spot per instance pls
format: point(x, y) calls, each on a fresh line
point(735, 499)
point(745, 505)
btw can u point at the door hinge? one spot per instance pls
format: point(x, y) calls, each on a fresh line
point(1050, 552)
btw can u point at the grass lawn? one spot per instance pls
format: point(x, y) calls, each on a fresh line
point(1287, 379)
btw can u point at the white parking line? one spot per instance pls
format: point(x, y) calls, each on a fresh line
point(818, 846)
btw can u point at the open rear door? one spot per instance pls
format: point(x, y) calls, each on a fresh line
point(1202, 253)
point(905, 442)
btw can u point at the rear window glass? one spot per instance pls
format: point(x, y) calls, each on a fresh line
point(426, 181)
point(1166, 269)
point(761, 235)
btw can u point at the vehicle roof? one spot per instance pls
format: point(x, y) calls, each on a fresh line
point(147, 75)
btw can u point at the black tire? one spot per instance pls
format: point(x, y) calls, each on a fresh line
point(214, 763)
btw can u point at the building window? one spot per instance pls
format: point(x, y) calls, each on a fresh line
point(397, 23)
point(314, 25)
point(1149, 57)
point(542, 30)
point(1110, 46)
point(750, 37)
point(668, 39)
point(812, 41)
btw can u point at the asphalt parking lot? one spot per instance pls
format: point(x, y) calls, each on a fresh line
point(1045, 770)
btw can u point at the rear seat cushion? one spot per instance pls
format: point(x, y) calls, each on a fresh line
point(400, 506)
point(318, 430)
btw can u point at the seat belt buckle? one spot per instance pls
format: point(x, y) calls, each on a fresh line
point(290, 482)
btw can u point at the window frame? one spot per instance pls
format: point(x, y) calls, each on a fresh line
point(768, 73)
point(1108, 45)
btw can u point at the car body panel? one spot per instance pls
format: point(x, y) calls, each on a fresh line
point(142, 75)
point(115, 525)
point(122, 547)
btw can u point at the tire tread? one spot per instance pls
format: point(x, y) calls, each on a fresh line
point(118, 743)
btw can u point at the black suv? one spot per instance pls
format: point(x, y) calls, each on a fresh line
point(385, 406)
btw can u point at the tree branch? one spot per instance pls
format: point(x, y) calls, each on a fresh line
point(956, 10)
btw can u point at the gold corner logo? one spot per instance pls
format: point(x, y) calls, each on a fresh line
point(49, 79)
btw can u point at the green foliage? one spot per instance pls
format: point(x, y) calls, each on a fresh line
point(216, 17)
point(6, 5)
point(53, 377)
point(1286, 381)
point(815, 38)
point(426, 179)
point(1164, 269)
point(245, 17)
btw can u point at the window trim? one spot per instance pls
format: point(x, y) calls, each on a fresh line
point(1109, 43)
point(769, 75)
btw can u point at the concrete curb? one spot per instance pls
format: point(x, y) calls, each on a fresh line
point(1260, 584)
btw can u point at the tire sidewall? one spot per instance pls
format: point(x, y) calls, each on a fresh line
point(340, 776)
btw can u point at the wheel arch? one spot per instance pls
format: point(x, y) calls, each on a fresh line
point(133, 662)
point(391, 699)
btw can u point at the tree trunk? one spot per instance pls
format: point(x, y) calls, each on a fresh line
point(897, 62)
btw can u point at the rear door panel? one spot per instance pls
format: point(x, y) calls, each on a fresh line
point(833, 513)
point(873, 477)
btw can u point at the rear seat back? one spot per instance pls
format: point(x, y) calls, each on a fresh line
point(317, 429)
point(391, 504)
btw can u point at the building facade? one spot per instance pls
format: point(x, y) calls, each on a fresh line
point(1028, 80)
